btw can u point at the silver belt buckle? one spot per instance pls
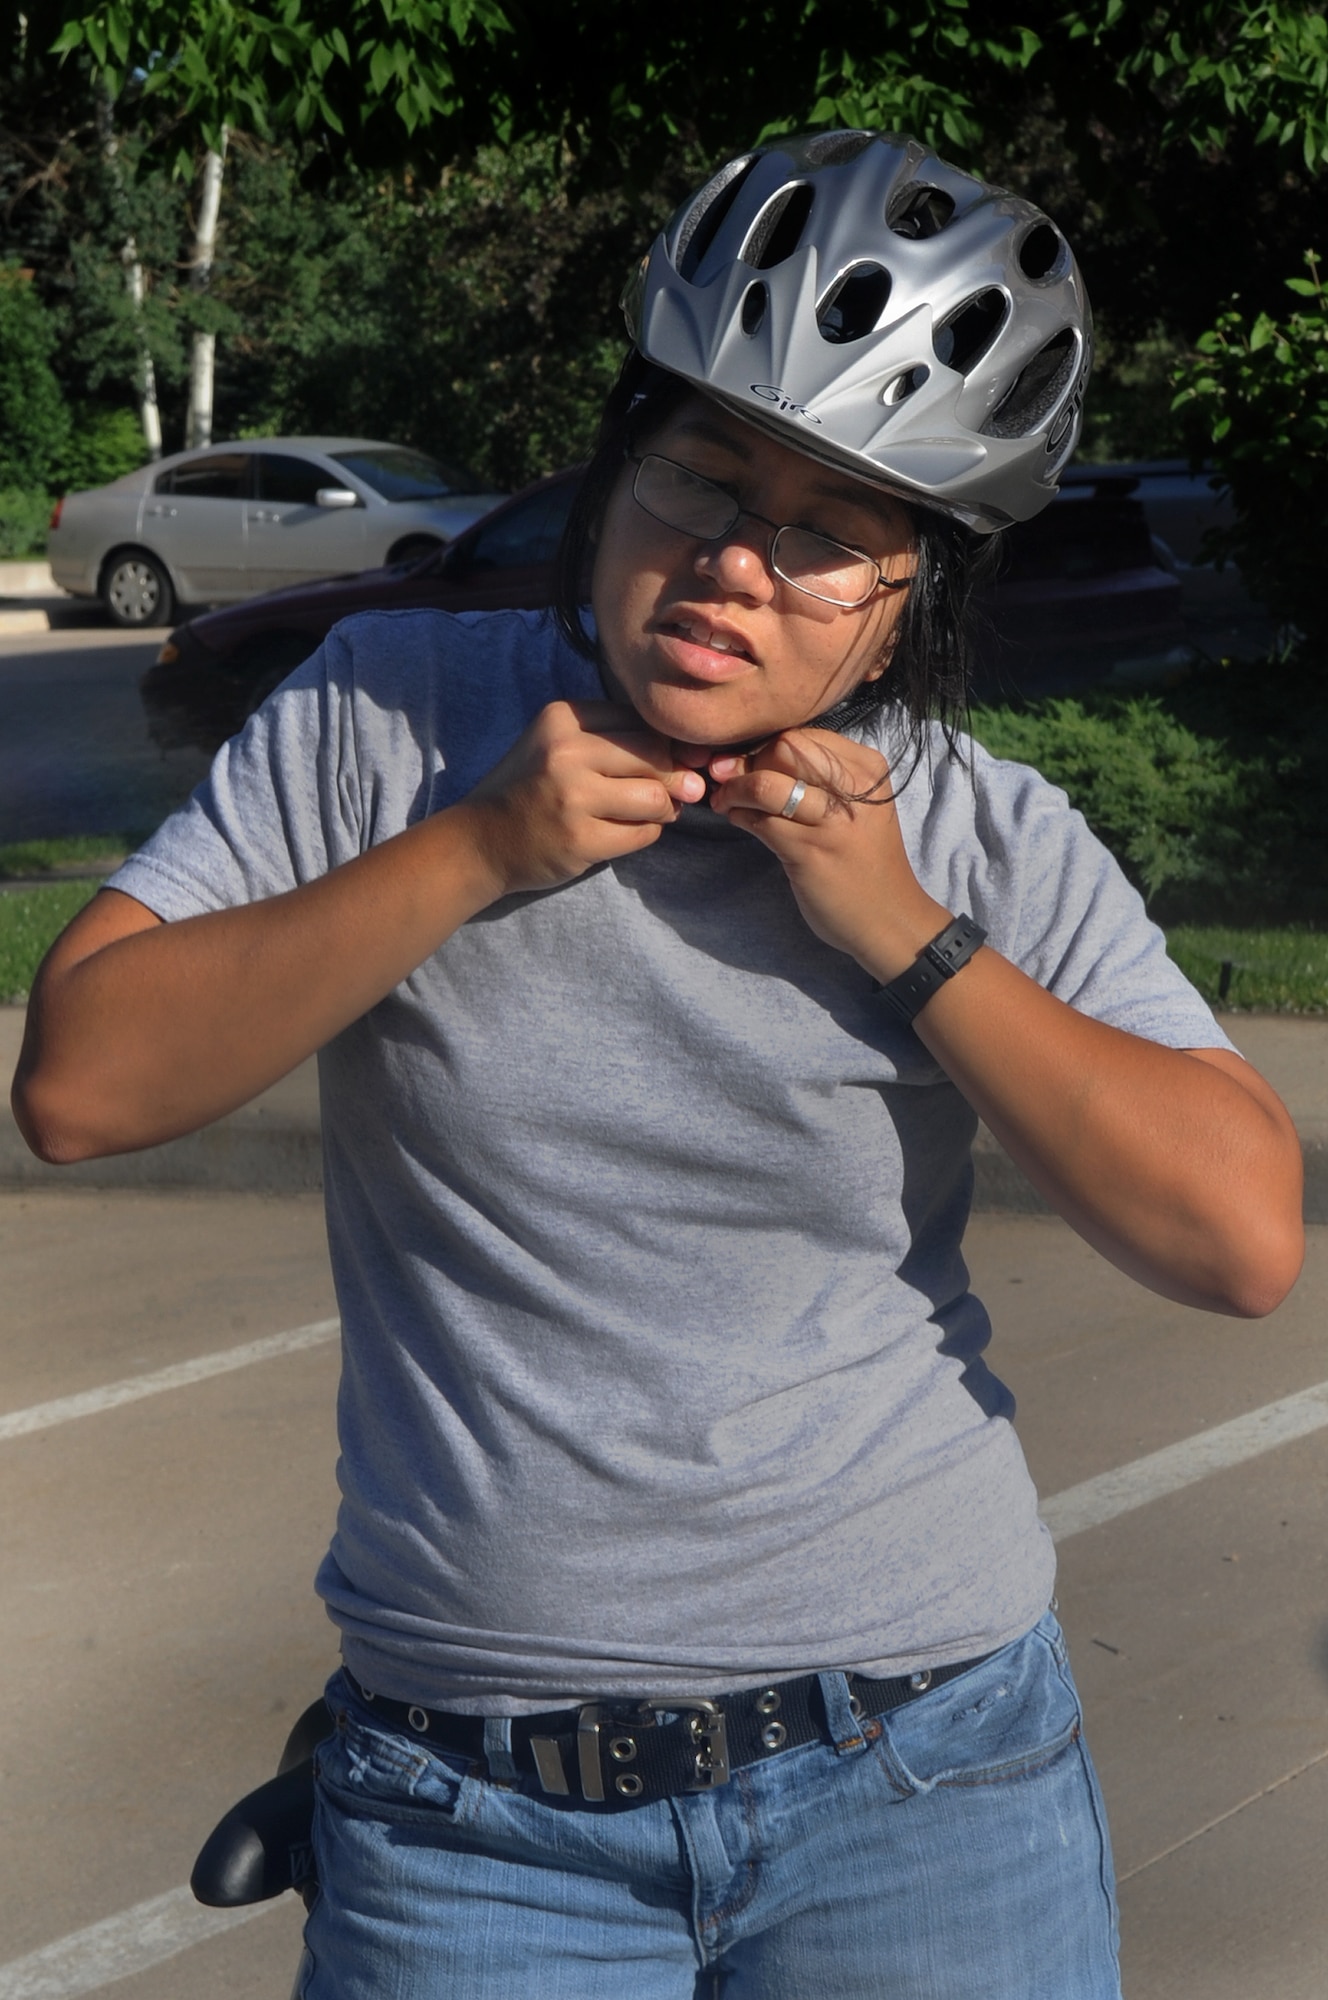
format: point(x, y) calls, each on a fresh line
point(706, 1727)
point(710, 1736)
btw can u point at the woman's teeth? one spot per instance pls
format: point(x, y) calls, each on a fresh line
point(718, 642)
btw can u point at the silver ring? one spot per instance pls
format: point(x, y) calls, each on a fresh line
point(794, 799)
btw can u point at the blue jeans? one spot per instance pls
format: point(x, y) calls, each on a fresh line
point(961, 1855)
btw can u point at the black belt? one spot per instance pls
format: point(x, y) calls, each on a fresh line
point(618, 1754)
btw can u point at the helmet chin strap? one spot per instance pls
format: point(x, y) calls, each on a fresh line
point(855, 707)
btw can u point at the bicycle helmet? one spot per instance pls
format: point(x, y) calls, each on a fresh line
point(859, 299)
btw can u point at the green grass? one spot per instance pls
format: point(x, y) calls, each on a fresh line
point(1277, 971)
point(30, 922)
point(1274, 971)
point(44, 857)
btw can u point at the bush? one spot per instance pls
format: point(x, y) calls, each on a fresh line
point(23, 521)
point(1256, 398)
point(34, 422)
point(104, 444)
point(1189, 820)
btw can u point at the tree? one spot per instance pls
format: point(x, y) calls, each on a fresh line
point(1152, 133)
point(34, 422)
point(1257, 395)
point(434, 78)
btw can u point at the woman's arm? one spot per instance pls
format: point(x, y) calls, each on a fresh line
point(1182, 1167)
point(140, 1030)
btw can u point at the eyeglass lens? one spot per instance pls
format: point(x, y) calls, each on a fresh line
point(692, 505)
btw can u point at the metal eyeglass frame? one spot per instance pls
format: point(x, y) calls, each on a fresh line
point(883, 582)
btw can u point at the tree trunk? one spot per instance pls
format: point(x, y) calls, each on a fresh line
point(149, 414)
point(198, 429)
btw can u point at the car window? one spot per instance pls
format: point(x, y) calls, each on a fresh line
point(222, 475)
point(281, 477)
point(528, 532)
point(398, 473)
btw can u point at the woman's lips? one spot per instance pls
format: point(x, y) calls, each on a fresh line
point(704, 652)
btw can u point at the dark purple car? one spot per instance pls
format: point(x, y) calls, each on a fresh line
point(1083, 586)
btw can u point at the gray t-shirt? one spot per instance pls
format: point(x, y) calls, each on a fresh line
point(661, 1370)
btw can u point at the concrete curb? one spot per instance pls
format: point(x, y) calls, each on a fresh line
point(263, 1150)
point(27, 579)
point(13, 624)
point(235, 1156)
point(274, 1145)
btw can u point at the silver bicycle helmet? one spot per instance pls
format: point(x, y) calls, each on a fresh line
point(859, 299)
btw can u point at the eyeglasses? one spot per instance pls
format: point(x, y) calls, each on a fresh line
point(830, 571)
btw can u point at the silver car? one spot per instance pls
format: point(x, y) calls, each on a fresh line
point(231, 520)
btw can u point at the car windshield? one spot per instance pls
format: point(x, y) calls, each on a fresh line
point(399, 474)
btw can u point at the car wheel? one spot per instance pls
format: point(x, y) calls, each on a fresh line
point(136, 590)
point(415, 548)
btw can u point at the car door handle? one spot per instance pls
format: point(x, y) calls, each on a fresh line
point(169, 512)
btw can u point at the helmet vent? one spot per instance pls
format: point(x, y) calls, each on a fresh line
point(1038, 389)
point(901, 387)
point(961, 340)
point(854, 303)
point(1040, 252)
point(834, 149)
point(701, 223)
point(920, 212)
point(778, 229)
point(755, 300)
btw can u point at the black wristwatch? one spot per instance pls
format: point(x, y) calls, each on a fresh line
point(935, 963)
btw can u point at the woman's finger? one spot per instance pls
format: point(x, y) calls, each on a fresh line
point(775, 795)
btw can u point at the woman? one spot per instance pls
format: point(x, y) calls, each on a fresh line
point(692, 1595)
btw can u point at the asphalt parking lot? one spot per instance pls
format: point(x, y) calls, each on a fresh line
point(75, 756)
point(161, 1632)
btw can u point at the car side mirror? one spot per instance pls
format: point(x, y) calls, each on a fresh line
point(336, 496)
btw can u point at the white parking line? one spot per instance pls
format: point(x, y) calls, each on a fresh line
point(43, 1416)
point(1184, 1464)
point(132, 1942)
point(160, 1928)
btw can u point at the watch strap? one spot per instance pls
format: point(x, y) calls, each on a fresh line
point(948, 953)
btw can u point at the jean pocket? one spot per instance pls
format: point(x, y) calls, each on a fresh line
point(1005, 1720)
point(375, 1774)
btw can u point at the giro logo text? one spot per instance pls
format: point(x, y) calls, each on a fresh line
point(769, 394)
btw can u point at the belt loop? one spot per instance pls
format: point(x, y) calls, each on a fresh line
point(845, 1729)
point(498, 1749)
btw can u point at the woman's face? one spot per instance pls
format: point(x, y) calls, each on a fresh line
point(702, 638)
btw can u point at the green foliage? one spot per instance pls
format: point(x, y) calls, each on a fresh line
point(23, 520)
point(104, 444)
point(30, 922)
point(477, 318)
point(1256, 396)
point(1129, 413)
point(1175, 808)
point(384, 73)
point(34, 423)
point(1213, 794)
point(1214, 65)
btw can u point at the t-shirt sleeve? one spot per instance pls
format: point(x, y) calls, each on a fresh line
point(282, 804)
point(1055, 901)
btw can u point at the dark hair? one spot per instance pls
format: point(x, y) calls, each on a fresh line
point(931, 646)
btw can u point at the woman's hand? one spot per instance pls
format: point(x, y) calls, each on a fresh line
point(1180, 1166)
point(841, 847)
point(587, 782)
point(139, 1031)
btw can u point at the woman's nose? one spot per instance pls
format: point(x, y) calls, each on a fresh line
point(739, 562)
